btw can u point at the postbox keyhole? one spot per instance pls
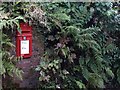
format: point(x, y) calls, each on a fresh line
point(24, 37)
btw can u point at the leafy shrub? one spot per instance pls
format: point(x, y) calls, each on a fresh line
point(76, 46)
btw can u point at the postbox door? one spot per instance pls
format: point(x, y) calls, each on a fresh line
point(24, 41)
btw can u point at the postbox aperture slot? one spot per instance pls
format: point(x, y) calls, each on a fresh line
point(24, 32)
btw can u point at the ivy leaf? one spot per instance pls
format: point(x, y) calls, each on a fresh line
point(80, 84)
point(20, 18)
point(65, 51)
point(85, 73)
point(109, 72)
point(96, 80)
point(118, 75)
point(18, 26)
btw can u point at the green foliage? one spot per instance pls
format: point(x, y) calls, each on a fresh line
point(11, 23)
point(77, 44)
point(96, 80)
point(82, 47)
point(8, 21)
point(8, 61)
point(118, 75)
point(81, 85)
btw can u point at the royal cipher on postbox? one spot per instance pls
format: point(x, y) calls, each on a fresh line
point(24, 41)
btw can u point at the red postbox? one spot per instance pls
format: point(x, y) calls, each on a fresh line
point(24, 41)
